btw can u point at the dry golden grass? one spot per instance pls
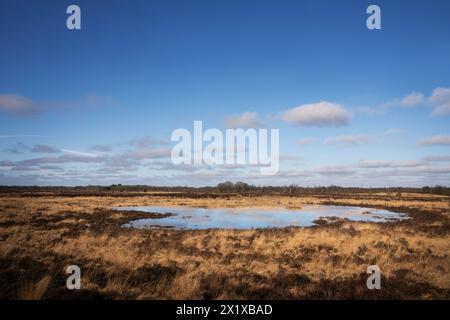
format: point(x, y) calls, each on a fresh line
point(42, 234)
point(33, 291)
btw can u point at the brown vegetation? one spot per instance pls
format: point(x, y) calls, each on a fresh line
point(44, 231)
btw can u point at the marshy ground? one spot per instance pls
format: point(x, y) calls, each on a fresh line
point(43, 232)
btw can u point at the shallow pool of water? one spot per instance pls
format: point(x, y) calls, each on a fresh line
point(249, 218)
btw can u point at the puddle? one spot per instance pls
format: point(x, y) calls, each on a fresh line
point(249, 218)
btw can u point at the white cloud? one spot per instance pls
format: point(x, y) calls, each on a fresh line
point(440, 95)
point(319, 114)
point(413, 99)
point(435, 141)
point(244, 121)
point(350, 140)
point(441, 99)
point(17, 104)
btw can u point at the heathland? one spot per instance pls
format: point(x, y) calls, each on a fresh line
point(44, 230)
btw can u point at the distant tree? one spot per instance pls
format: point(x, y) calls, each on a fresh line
point(225, 187)
point(292, 189)
point(438, 189)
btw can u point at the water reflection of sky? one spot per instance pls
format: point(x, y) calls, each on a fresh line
point(248, 218)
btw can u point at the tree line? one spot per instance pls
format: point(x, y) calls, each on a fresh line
point(229, 187)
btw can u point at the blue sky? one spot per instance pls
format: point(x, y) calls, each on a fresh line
point(98, 105)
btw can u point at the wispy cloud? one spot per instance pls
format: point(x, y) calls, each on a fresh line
point(393, 132)
point(147, 141)
point(412, 100)
point(86, 101)
point(439, 100)
point(306, 141)
point(351, 140)
point(335, 170)
point(14, 136)
point(150, 153)
point(244, 121)
point(42, 148)
point(101, 148)
point(65, 158)
point(377, 164)
point(18, 148)
point(363, 139)
point(20, 105)
point(437, 158)
point(371, 111)
point(440, 140)
point(80, 153)
point(6, 163)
